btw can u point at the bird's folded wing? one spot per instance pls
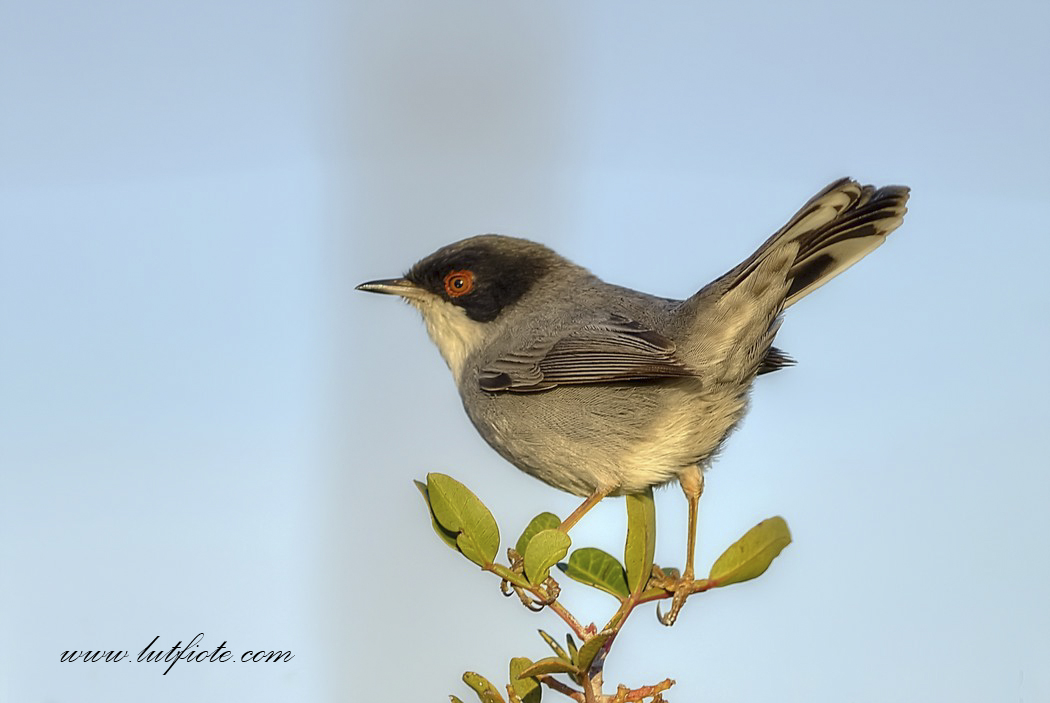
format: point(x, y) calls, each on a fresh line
point(617, 349)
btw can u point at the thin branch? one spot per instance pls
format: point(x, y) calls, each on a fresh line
point(564, 689)
point(571, 621)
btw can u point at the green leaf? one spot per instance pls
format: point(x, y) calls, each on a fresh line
point(485, 690)
point(447, 537)
point(751, 555)
point(455, 699)
point(544, 551)
point(553, 644)
point(543, 521)
point(591, 647)
point(459, 511)
point(571, 644)
point(527, 688)
point(641, 539)
point(593, 567)
point(550, 665)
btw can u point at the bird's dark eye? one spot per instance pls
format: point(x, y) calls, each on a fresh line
point(459, 283)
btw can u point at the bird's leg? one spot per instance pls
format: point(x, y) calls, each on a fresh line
point(586, 505)
point(692, 481)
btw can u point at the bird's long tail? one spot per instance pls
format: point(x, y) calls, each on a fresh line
point(735, 318)
point(836, 228)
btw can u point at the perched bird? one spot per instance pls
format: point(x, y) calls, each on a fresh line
point(602, 390)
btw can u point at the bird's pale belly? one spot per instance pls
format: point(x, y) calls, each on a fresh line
point(621, 437)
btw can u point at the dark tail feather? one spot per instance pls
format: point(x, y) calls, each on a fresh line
point(835, 229)
point(774, 360)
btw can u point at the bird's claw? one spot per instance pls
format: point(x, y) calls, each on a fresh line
point(681, 586)
point(549, 587)
point(677, 601)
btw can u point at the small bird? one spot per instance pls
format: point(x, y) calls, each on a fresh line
point(600, 390)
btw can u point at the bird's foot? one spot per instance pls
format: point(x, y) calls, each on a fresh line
point(664, 578)
point(549, 590)
point(680, 586)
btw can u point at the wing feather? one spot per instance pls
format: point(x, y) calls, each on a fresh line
point(616, 349)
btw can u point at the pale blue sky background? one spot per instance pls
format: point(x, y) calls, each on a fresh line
point(204, 429)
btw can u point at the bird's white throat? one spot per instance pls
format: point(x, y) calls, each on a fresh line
point(454, 333)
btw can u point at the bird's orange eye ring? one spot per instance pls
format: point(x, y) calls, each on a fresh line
point(459, 283)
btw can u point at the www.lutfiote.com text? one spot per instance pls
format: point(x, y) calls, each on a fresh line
point(190, 653)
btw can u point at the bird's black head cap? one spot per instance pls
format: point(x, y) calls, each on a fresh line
point(483, 275)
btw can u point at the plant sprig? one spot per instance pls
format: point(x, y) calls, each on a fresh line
point(463, 523)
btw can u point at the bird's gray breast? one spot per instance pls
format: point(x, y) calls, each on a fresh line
point(575, 438)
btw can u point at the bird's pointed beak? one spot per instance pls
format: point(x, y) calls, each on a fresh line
point(392, 286)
